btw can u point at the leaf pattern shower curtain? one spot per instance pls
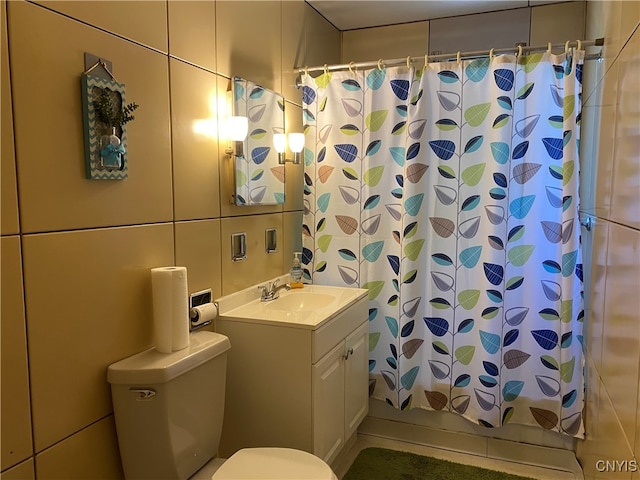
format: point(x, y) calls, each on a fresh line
point(451, 194)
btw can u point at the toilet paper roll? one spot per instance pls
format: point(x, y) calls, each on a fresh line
point(203, 313)
point(170, 308)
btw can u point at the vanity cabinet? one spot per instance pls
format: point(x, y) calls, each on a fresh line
point(340, 393)
point(296, 385)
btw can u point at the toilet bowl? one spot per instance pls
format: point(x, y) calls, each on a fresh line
point(168, 411)
point(273, 464)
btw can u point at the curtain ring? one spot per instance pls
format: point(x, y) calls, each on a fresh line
point(306, 70)
point(380, 64)
point(458, 56)
point(326, 69)
point(426, 62)
point(409, 61)
point(579, 45)
point(519, 50)
point(491, 54)
point(549, 48)
point(566, 47)
point(351, 64)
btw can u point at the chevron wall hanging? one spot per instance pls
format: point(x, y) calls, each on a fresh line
point(105, 115)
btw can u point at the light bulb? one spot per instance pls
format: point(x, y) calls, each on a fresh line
point(280, 142)
point(238, 128)
point(296, 142)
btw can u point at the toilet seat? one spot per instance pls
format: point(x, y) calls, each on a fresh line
point(273, 464)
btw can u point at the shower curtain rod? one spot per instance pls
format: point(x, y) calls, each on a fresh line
point(458, 55)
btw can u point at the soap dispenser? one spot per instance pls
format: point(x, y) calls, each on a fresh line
point(296, 270)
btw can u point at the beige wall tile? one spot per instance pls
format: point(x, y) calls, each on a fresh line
point(536, 455)
point(629, 19)
point(192, 31)
point(597, 289)
point(604, 167)
point(9, 200)
point(625, 188)
point(557, 23)
point(587, 449)
point(294, 174)
point(142, 21)
point(54, 193)
point(194, 132)
point(249, 41)
point(292, 238)
point(16, 414)
point(90, 453)
point(198, 249)
point(501, 29)
point(621, 332)
point(393, 41)
point(293, 47)
point(388, 422)
point(594, 22)
point(24, 471)
point(589, 130)
point(611, 443)
point(591, 76)
point(613, 308)
point(611, 18)
point(322, 40)
point(259, 266)
point(228, 208)
point(636, 446)
point(609, 86)
point(88, 305)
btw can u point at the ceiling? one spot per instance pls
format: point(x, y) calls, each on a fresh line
point(352, 14)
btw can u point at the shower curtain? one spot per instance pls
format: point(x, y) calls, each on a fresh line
point(450, 192)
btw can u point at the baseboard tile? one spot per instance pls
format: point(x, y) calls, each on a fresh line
point(345, 458)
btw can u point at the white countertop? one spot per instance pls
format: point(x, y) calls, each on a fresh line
point(309, 307)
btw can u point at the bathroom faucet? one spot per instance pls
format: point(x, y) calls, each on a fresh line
point(271, 291)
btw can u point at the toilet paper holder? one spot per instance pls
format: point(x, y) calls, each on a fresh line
point(196, 299)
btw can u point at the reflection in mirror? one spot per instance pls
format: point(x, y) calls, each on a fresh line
point(259, 179)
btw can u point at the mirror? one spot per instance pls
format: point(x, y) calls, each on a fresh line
point(259, 178)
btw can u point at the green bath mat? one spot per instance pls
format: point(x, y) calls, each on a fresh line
point(383, 464)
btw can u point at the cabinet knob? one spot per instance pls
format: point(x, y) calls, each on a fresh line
point(349, 352)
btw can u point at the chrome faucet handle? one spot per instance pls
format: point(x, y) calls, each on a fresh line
point(264, 291)
point(274, 285)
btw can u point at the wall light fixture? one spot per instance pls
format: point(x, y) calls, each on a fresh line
point(296, 144)
point(237, 128)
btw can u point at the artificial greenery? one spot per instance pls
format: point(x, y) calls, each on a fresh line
point(108, 112)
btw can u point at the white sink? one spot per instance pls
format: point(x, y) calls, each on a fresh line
point(308, 307)
point(301, 301)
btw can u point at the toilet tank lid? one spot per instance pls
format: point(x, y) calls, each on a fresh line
point(151, 366)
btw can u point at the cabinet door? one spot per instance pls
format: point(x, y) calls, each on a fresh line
point(328, 404)
point(356, 379)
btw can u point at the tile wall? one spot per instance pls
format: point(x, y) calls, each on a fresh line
point(536, 25)
point(76, 253)
point(611, 197)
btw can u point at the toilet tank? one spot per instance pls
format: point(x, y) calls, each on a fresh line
point(168, 407)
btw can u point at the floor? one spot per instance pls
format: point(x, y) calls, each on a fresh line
point(208, 470)
point(364, 441)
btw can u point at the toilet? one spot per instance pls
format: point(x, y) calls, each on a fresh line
point(168, 410)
